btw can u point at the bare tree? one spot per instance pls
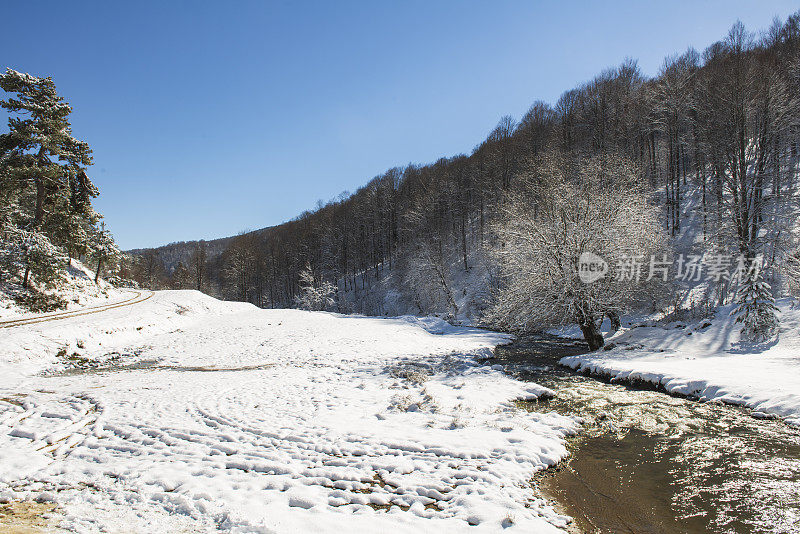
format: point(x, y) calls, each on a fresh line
point(198, 264)
point(566, 209)
point(312, 296)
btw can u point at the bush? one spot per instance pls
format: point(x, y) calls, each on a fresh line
point(32, 252)
point(36, 302)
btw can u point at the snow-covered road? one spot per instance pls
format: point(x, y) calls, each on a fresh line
point(131, 297)
point(184, 413)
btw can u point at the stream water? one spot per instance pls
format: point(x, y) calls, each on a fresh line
point(648, 462)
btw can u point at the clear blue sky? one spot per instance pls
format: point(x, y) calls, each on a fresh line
point(210, 118)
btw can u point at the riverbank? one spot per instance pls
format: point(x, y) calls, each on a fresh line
point(649, 462)
point(707, 360)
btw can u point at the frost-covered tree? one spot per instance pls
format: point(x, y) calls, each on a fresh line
point(73, 230)
point(47, 217)
point(314, 297)
point(104, 252)
point(756, 310)
point(566, 208)
point(426, 266)
point(39, 153)
point(747, 121)
point(34, 254)
point(426, 277)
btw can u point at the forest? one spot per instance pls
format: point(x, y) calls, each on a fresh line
point(621, 163)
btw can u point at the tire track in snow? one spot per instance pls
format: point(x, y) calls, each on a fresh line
point(136, 299)
point(53, 425)
point(321, 428)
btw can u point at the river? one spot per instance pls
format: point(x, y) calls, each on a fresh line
point(648, 462)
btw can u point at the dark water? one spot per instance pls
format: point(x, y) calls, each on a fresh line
point(651, 463)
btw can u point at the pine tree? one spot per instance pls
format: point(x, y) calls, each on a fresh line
point(47, 216)
point(39, 150)
point(73, 230)
point(756, 310)
point(104, 252)
point(33, 253)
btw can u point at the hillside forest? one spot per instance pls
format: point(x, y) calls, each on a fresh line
point(682, 186)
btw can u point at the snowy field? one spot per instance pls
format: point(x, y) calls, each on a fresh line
point(183, 414)
point(708, 360)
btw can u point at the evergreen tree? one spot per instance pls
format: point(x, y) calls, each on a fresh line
point(40, 153)
point(104, 252)
point(756, 310)
point(46, 216)
point(32, 252)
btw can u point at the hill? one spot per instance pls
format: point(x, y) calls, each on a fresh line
point(712, 141)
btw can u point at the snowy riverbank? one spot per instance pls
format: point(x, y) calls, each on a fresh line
point(183, 412)
point(707, 360)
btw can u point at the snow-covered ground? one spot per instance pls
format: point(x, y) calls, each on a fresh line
point(707, 360)
point(184, 413)
point(77, 288)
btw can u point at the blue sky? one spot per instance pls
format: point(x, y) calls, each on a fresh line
point(211, 118)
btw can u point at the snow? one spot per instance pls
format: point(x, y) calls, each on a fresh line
point(708, 360)
point(77, 288)
point(392, 295)
point(187, 413)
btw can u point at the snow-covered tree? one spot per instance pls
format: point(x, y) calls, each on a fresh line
point(425, 275)
point(747, 122)
point(47, 217)
point(104, 252)
point(425, 264)
point(73, 230)
point(31, 255)
point(39, 152)
point(314, 297)
point(756, 310)
point(563, 209)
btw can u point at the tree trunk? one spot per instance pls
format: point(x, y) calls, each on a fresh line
point(464, 241)
point(26, 276)
point(97, 273)
point(592, 334)
point(615, 322)
point(38, 216)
